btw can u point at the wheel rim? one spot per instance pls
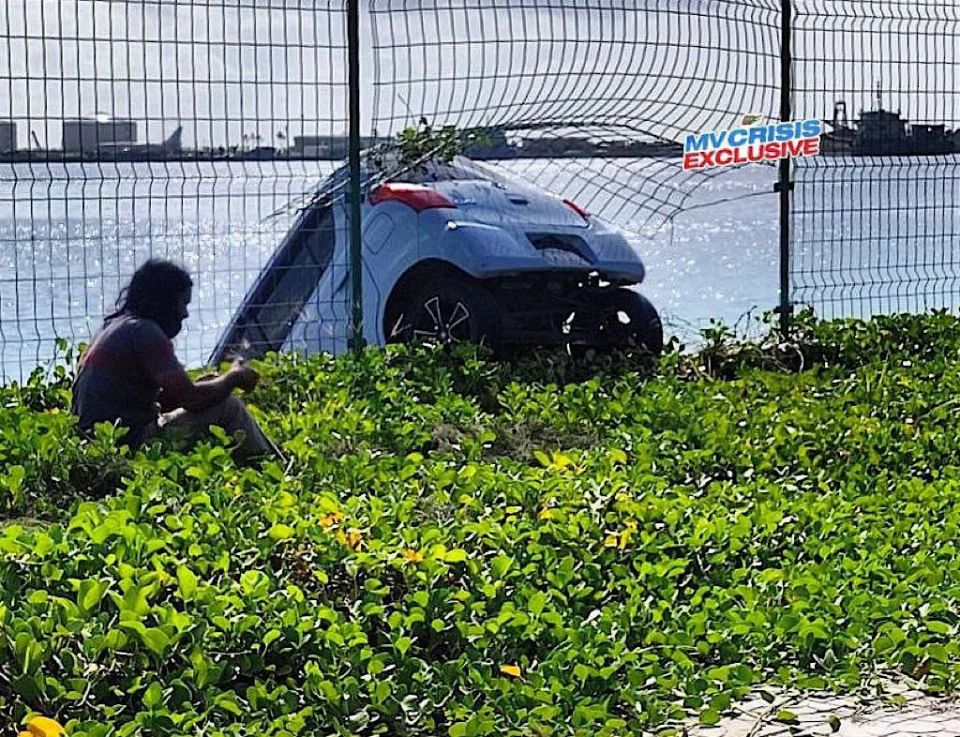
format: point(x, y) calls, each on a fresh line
point(441, 321)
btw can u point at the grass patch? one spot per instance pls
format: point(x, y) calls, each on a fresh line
point(464, 548)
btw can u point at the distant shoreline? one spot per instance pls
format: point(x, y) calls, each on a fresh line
point(57, 157)
point(655, 152)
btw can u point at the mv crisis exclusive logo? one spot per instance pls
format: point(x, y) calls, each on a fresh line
point(752, 143)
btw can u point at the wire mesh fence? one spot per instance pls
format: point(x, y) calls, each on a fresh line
point(179, 130)
point(589, 100)
point(201, 130)
point(204, 131)
point(874, 219)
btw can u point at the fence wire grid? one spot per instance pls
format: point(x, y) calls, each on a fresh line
point(874, 224)
point(200, 130)
point(152, 129)
point(558, 73)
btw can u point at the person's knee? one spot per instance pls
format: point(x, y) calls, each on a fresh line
point(232, 408)
point(235, 416)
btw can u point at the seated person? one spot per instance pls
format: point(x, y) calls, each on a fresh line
point(129, 371)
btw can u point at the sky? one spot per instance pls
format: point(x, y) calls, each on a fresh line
point(226, 68)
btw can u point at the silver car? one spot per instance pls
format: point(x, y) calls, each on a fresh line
point(451, 252)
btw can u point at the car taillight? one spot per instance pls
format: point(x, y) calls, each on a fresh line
point(577, 209)
point(417, 196)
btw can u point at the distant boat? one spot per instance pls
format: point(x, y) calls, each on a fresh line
point(884, 133)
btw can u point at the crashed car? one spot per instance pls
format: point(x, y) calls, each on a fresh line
point(452, 252)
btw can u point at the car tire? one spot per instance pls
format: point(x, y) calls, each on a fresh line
point(448, 311)
point(625, 319)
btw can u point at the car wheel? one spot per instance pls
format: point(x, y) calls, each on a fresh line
point(447, 312)
point(625, 319)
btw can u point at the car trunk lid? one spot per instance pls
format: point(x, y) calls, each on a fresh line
point(493, 204)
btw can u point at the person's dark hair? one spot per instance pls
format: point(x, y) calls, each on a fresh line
point(152, 293)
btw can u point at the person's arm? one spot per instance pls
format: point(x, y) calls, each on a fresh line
point(176, 390)
point(156, 356)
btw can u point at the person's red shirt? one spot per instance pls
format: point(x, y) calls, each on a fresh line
point(120, 375)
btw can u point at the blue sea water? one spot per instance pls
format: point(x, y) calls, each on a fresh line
point(868, 237)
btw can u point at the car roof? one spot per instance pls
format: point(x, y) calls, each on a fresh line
point(459, 168)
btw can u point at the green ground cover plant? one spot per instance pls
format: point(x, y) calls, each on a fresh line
point(463, 547)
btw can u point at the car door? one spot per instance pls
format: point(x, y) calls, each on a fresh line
point(288, 281)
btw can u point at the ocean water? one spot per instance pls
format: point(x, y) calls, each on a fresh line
point(868, 237)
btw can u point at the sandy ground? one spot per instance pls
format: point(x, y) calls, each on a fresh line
point(907, 714)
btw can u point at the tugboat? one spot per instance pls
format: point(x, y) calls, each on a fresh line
point(884, 133)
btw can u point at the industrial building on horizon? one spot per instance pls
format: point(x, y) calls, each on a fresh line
point(91, 135)
point(328, 147)
point(8, 136)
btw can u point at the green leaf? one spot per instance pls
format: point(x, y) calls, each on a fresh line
point(785, 716)
point(254, 582)
point(403, 644)
point(281, 532)
point(500, 565)
point(187, 582)
point(155, 640)
point(90, 594)
point(709, 717)
point(228, 702)
point(13, 478)
point(134, 603)
point(330, 691)
point(382, 692)
point(542, 458)
point(201, 667)
point(536, 603)
point(834, 721)
point(153, 697)
point(616, 455)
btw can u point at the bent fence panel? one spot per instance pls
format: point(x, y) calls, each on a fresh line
point(560, 77)
point(198, 130)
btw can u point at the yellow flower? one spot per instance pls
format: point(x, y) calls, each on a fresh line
point(43, 727)
point(610, 541)
point(546, 514)
point(412, 556)
point(351, 538)
point(510, 670)
point(329, 520)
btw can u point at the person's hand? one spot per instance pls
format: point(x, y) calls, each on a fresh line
point(244, 377)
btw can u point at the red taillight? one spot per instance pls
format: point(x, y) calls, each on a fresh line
point(577, 209)
point(417, 196)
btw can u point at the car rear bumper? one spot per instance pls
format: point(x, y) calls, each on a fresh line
point(625, 273)
point(486, 251)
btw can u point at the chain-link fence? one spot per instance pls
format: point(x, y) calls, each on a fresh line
point(203, 130)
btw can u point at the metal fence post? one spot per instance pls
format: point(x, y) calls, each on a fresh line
point(784, 185)
point(356, 272)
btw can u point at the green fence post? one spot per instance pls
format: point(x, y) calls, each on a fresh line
point(356, 236)
point(784, 185)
